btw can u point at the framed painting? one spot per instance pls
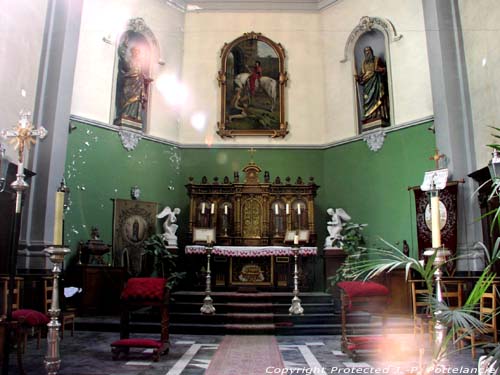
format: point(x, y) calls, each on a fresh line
point(252, 84)
point(134, 222)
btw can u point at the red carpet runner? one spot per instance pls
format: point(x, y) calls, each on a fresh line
point(246, 355)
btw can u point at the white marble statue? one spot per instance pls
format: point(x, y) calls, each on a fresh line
point(335, 225)
point(169, 225)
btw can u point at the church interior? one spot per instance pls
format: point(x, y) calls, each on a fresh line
point(247, 187)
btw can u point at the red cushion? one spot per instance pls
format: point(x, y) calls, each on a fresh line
point(144, 288)
point(30, 317)
point(363, 289)
point(137, 343)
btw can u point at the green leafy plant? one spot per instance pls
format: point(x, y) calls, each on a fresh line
point(164, 264)
point(351, 242)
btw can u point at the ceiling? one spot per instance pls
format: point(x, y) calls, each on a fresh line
point(250, 5)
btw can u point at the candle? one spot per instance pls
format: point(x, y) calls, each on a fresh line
point(296, 239)
point(225, 209)
point(435, 222)
point(212, 208)
point(58, 218)
point(276, 209)
point(287, 209)
point(298, 209)
point(203, 208)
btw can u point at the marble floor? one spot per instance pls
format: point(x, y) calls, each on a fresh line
point(89, 353)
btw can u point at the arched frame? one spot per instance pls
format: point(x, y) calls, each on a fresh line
point(252, 108)
point(365, 26)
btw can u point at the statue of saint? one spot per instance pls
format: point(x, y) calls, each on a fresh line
point(373, 82)
point(132, 86)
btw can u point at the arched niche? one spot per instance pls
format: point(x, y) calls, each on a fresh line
point(373, 97)
point(136, 64)
point(252, 82)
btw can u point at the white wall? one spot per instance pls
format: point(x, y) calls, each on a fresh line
point(93, 88)
point(22, 24)
point(205, 35)
point(411, 87)
point(480, 31)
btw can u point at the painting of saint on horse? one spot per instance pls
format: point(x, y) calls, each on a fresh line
point(252, 94)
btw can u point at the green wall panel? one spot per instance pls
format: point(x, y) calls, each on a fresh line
point(373, 186)
point(99, 169)
point(370, 186)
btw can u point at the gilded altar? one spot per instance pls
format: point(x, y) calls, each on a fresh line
point(252, 212)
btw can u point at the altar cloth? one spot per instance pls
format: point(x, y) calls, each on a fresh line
point(251, 251)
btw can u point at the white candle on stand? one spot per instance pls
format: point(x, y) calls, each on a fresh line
point(298, 209)
point(435, 222)
point(287, 209)
point(58, 218)
point(296, 239)
point(225, 209)
point(276, 209)
point(203, 208)
point(212, 208)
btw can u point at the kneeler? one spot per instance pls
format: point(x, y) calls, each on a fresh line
point(138, 293)
point(362, 296)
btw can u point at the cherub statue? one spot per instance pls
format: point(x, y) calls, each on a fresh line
point(335, 226)
point(169, 225)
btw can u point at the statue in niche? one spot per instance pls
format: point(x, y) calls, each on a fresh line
point(132, 82)
point(372, 81)
point(169, 225)
point(335, 226)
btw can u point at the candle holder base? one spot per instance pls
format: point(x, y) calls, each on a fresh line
point(208, 307)
point(296, 308)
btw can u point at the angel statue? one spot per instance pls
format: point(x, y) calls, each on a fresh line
point(335, 225)
point(169, 225)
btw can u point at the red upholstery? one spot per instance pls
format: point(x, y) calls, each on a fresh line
point(137, 343)
point(144, 288)
point(363, 289)
point(30, 317)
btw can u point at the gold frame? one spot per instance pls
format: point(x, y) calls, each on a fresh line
point(222, 125)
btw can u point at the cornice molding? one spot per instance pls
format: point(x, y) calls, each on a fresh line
point(254, 5)
point(324, 146)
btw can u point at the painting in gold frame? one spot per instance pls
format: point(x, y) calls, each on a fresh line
point(134, 222)
point(252, 83)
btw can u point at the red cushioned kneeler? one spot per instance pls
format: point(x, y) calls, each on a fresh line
point(362, 296)
point(140, 292)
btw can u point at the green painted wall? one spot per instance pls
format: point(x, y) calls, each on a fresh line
point(99, 169)
point(373, 186)
point(370, 186)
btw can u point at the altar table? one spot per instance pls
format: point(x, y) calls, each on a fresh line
point(251, 251)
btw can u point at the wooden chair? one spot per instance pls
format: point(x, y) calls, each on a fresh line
point(29, 320)
point(422, 318)
point(487, 315)
point(65, 317)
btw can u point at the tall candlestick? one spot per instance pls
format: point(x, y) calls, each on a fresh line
point(212, 208)
point(287, 209)
point(203, 208)
point(276, 209)
point(58, 218)
point(298, 209)
point(435, 221)
point(225, 209)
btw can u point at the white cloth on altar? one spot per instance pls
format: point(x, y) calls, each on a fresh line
point(251, 251)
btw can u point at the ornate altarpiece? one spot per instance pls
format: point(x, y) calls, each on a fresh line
point(253, 214)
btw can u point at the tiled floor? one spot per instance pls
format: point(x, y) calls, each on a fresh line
point(89, 353)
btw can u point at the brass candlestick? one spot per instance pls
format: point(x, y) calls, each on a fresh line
point(53, 359)
point(208, 307)
point(296, 308)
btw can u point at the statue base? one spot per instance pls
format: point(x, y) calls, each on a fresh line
point(373, 124)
